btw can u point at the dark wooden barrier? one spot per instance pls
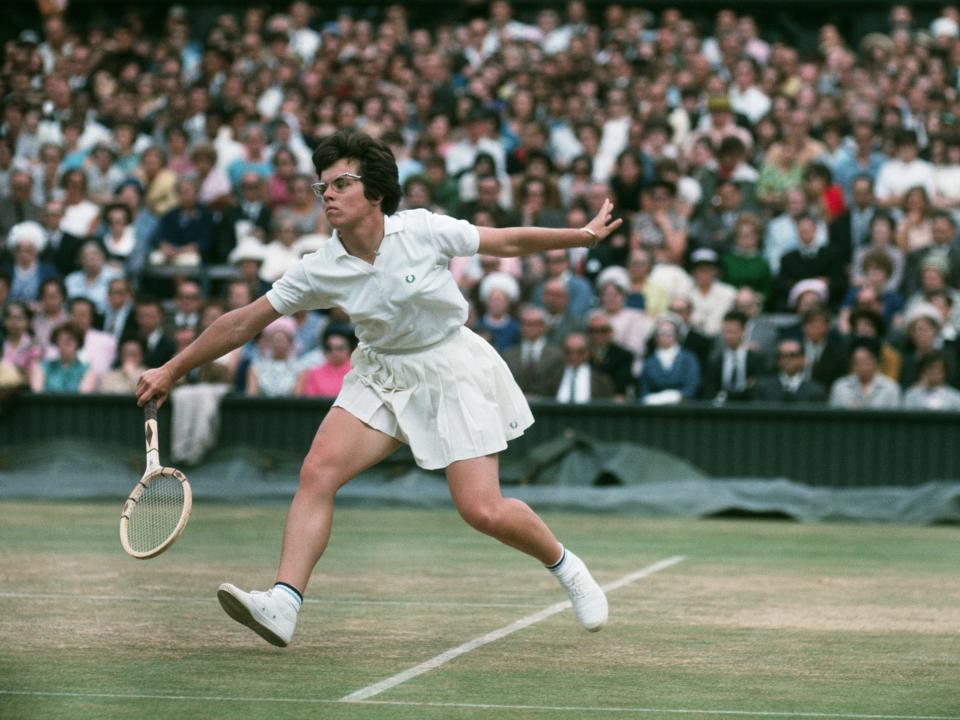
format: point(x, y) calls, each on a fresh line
point(817, 446)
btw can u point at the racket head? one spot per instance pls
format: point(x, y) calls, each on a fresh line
point(155, 513)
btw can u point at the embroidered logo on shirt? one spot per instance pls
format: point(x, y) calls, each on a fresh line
point(410, 278)
point(514, 424)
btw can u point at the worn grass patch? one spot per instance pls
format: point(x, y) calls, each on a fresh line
point(762, 619)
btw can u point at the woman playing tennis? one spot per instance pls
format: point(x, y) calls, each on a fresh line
point(419, 376)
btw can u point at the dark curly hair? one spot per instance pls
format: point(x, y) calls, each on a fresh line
point(378, 167)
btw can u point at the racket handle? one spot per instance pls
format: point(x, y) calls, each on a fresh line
point(150, 410)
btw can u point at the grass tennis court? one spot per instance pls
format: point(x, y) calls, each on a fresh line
point(761, 619)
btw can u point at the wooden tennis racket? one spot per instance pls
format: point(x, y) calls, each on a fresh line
point(159, 506)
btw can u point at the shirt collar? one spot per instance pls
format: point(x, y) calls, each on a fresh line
point(391, 224)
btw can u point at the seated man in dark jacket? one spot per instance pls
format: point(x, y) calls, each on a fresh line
point(577, 380)
point(789, 385)
point(733, 368)
point(185, 233)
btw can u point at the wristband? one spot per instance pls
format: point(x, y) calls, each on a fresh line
point(596, 238)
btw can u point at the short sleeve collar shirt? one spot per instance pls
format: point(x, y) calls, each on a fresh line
point(406, 300)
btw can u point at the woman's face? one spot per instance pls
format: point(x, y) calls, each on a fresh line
point(284, 165)
point(747, 239)
point(864, 364)
point(666, 336)
point(497, 303)
point(280, 344)
point(611, 298)
point(15, 321)
point(287, 234)
point(51, 299)
point(915, 201)
point(344, 203)
point(881, 233)
point(337, 351)
point(67, 346)
point(300, 192)
point(923, 333)
point(131, 354)
point(25, 254)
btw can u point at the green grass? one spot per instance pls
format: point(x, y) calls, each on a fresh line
point(761, 618)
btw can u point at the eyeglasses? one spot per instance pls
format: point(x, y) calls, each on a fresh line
point(331, 348)
point(790, 354)
point(339, 184)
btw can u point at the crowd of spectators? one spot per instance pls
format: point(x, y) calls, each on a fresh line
point(790, 219)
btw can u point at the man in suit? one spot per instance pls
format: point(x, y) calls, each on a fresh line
point(825, 358)
point(577, 381)
point(944, 234)
point(556, 305)
point(188, 301)
point(579, 291)
point(733, 368)
point(607, 356)
point(851, 229)
point(159, 346)
point(760, 334)
point(119, 318)
point(252, 209)
point(534, 357)
point(489, 188)
point(789, 385)
point(811, 261)
point(18, 207)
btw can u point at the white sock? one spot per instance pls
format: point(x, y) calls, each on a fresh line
point(555, 568)
point(291, 593)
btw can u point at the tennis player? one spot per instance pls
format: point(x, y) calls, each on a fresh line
point(419, 376)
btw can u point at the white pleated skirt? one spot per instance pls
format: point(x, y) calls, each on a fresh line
point(452, 401)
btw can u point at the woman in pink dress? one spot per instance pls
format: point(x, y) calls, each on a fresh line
point(326, 380)
point(20, 349)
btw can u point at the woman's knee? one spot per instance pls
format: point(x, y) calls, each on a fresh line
point(484, 517)
point(321, 474)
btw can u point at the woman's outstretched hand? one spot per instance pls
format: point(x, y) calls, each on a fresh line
point(603, 225)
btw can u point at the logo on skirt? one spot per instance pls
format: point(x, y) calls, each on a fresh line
point(410, 278)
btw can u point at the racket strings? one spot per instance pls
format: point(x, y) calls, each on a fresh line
point(156, 514)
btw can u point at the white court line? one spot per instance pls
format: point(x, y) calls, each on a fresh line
point(307, 601)
point(782, 714)
point(433, 663)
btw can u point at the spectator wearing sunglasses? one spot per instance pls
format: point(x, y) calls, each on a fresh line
point(789, 383)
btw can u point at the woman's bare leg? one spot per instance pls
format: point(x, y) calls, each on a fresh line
point(342, 448)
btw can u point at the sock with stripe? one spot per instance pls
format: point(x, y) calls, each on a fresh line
point(556, 566)
point(290, 590)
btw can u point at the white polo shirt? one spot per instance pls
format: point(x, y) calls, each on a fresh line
point(406, 300)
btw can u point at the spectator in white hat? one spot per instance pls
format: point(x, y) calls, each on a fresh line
point(711, 298)
point(498, 292)
point(25, 241)
point(631, 327)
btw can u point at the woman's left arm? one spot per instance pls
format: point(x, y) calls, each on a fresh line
point(518, 241)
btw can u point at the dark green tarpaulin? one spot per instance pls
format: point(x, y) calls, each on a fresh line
point(570, 473)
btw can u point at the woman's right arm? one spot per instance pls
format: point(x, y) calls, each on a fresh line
point(227, 332)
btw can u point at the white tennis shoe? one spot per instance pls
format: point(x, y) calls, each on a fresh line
point(272, 614)
point(587, 597)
